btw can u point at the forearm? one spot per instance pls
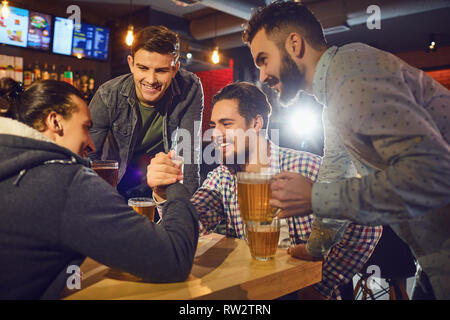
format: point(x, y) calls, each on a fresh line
point(106, 229)
point(409, 188)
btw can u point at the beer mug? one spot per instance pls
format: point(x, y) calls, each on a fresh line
point(262, 238)
point(108, 170)
point(254, 194)
point(143, 206)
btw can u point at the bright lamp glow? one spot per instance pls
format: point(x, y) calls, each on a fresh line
point(5, 10)
point(305, 122)
point(215, 56)
point(130, 37)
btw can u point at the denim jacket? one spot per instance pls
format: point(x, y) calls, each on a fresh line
point(116, 122)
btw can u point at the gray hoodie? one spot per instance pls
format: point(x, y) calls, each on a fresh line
point(55, 211)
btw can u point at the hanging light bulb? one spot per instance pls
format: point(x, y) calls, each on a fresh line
point(215, 58)
point(5, 10)
point(130, 37)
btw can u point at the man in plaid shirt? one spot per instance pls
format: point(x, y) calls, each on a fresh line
point(242, 106)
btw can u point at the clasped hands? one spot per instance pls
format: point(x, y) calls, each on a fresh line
point(291, 191)
point(161, 172)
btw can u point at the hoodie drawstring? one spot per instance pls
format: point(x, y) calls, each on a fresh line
point(20, 176)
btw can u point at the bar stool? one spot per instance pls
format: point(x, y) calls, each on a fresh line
point(396, 263)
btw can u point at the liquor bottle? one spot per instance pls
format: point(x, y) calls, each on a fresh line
point(91, 81)
point(68, 75)
point(28, 76)
point(54, 73)
point(84, 78)
point(61, 73)
point(45, 72)
point(37, 72)
point(76, 80)
point(85, 91)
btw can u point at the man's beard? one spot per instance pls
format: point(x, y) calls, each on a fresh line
point(292, 79)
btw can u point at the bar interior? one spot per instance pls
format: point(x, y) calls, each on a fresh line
point(224, 150)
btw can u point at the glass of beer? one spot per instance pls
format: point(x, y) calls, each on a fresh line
point(143, 206)
point(108, 170)
point(262, 238)
point(254, 194)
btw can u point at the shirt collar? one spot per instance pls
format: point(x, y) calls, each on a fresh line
point(274, 160)
point(320, 75)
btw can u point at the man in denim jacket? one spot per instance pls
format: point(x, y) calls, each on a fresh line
point(139, 114)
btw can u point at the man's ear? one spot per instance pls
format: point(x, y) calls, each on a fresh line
point(259, 123)
point(295, 45)
point(176, 67)
point(54, 124)
point(130, 62)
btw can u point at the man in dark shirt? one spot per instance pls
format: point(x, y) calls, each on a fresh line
point(140, 114)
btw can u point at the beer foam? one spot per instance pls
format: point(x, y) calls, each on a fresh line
point(254, 177)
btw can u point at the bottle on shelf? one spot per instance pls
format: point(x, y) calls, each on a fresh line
point(61, 73)
point(28, 76)
point(91, 81)
point(37, 72)
point(45, 72)
point(85, 91)
point(77, 80)
point(68, 75)
point(54, 73)
point(84, 78)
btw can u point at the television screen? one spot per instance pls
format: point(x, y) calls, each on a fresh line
point(90, 41)
point(62, 36)
point(39, 30)
point(14, 29)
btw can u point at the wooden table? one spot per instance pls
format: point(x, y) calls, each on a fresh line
point(223, 269)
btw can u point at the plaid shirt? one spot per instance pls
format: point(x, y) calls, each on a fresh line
point(217, 204)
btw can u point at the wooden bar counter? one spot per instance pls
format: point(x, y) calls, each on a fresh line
point(223, 269)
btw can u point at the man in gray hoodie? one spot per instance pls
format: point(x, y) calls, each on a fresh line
point(55, 210)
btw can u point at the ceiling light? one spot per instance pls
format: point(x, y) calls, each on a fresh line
point(215, 58)
point(5, 10)
point(130, 37)
point(432, 44)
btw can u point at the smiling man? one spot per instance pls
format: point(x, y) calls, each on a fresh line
point(239, 120)
point(137, 115)
point(387, 140)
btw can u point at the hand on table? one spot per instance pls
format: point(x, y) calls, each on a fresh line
point(161, 172)
point(291, 192)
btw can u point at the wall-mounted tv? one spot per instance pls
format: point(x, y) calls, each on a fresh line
point(62, 36)
point(14, 29)
point(39, 30)
point(87, 41)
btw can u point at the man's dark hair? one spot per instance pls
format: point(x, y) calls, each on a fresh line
point(9, 90)
point(251, 100)
point(280, 18)
point(157, 39)
point(42, 97)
